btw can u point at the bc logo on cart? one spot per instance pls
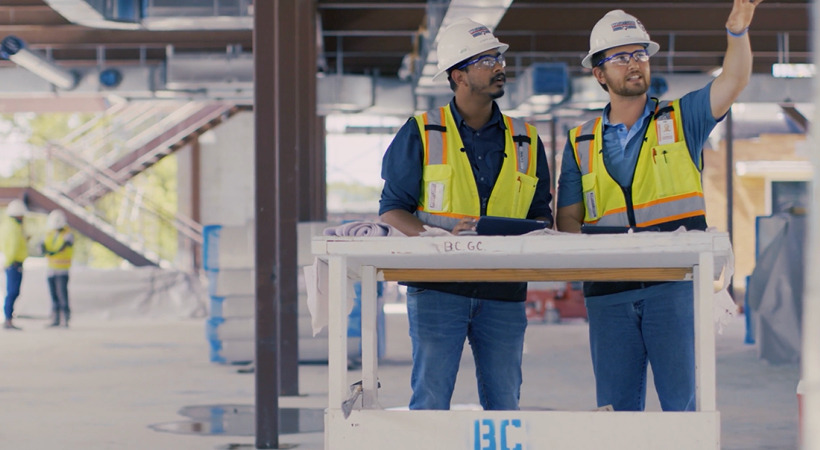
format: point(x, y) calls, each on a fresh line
point(489, 434)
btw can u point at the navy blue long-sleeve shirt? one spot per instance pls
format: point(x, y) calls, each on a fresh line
point(402, 173)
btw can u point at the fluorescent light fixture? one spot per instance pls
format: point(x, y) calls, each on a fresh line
point(14, 49)
point(793, 70)
point(779, 170)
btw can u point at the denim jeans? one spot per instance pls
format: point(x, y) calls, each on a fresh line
point(440, 323)
point(657, 329)
point(58, 286)
point(14, 277)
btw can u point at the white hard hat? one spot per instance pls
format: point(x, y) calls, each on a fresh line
point(56, 220)
point(463, 39)
point(16, 208)
point(615, 29)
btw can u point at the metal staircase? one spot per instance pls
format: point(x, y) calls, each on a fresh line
point(154, 138)
point(102, 156)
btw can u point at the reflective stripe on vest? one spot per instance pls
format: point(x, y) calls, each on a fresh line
point(54, 241)
point(666, 185)
point(449, 191)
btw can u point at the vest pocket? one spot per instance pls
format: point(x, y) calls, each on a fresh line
point(524, 193)
point(591, 192)
point(673, 170)
point(437, 187)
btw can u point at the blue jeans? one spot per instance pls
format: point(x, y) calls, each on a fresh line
point(657, 329)
point(58, 286)
point(439, 324)
point(14, 277)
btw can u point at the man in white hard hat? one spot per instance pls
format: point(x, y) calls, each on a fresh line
point(58, 247)
point(445, 169)
point(638, 165)
point(15, 251)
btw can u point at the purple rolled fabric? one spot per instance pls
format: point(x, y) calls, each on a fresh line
point(362, 229)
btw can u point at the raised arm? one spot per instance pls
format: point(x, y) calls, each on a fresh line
point(737, 63)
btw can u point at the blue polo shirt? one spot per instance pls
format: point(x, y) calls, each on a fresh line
point(402, 173)
point(621, 147)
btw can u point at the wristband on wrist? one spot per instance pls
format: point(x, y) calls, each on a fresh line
point(737, 35)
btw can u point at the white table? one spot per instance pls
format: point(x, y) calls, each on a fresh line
point(697, 256)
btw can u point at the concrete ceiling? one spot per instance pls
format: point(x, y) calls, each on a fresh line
point(374, 37)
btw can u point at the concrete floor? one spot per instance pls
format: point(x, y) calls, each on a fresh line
point(110, 385)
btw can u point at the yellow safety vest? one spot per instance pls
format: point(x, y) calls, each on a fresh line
point(666, 187)
point(449, 190)
point(55, 240)
point(14, 242)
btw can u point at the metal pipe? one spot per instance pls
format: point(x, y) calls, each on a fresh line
point(14, 49)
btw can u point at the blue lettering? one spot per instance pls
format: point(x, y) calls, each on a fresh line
point(504, 424)
point(484, 435)
point(488, 437)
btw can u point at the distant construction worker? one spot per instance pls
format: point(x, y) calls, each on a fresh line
point(445, 169)
point(637, 165)
point(58, 247)
point(16, 251)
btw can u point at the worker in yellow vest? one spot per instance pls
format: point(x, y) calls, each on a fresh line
point(58, 247)
point(638, 165)
point(15, 251)
point(445, 169)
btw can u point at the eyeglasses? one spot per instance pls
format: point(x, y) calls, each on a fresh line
point(488, 61)
point(622, 59)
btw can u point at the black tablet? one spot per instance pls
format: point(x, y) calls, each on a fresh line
point(587, 229)
point(505, 226)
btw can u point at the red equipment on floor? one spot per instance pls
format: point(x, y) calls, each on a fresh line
point(552, 302)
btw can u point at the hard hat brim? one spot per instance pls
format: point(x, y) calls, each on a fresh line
point(501, 49)
point(651, 48)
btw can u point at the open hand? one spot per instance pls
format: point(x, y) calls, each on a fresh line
point(465, 224)
point(741, 16)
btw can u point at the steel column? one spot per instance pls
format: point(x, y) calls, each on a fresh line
point(311, 181)
point(276, 192)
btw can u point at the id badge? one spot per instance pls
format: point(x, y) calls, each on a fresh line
point(592, 208)
point(666, 131)
point(435, 196)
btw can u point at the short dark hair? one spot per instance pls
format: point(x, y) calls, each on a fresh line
point(456, 67)
point(597, 58)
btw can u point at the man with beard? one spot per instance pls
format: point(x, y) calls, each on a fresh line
point(638, 165)
point(445, 169)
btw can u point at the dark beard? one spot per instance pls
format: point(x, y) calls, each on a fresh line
point(630, 91)
point(627, 90)
point(500, 93)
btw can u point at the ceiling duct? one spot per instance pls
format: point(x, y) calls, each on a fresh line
point(391, 97)
point(343, 93)
point(214, 72)
point(136, 82)
point(539, 89)
point(157, 15)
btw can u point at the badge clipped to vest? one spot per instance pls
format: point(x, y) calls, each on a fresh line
point(592, 208)
point(435, 196)
point(666, 131)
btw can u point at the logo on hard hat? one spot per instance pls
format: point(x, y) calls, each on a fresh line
point(479, 31)
point(624, 25)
